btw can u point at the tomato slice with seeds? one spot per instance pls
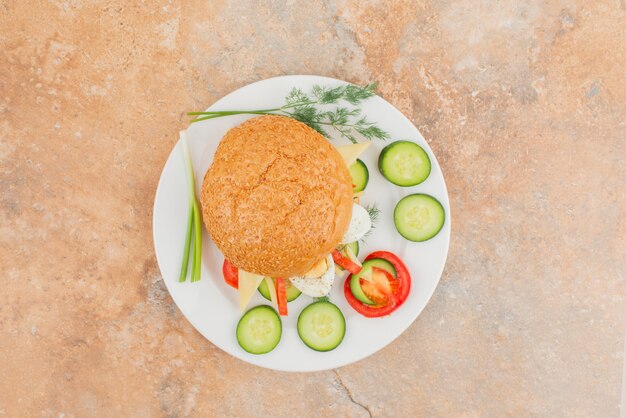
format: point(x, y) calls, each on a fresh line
point(387, 293)
point(402, 273)
point(373, 293)
point(378, 285)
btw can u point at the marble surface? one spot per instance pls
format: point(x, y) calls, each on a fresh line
point(522, 102)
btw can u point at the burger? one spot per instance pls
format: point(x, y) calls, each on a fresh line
point(278, 199)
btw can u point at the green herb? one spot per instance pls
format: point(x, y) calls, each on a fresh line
point(312, 109)
point(194, 224)
point(374, 214)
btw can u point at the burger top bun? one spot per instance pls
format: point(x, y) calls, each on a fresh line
point(277, 198)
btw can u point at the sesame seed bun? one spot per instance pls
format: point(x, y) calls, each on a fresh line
point(277, 198)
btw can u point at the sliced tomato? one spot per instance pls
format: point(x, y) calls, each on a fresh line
point(344, 262)
point(379, 285)
point(384, 281)
point(281, 295)
point(387, 293)
point(370, 311)
point(402, 273)
point(373, 293)
point(231, 274)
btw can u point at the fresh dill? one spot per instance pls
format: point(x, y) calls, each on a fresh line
point(312, 109)
point(374, 213)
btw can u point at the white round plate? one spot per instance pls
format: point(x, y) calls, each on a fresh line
point(212, 306)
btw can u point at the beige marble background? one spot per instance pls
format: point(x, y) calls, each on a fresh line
point(522, 102)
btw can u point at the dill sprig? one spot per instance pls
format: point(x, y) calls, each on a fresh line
point(312, 109)
point(374, 212)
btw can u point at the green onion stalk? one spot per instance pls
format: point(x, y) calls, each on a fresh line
point(194, 223)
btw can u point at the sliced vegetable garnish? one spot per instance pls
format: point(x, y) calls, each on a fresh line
point(419, 217)
point(281, 292)
point(378, 286)
point(381, 288)
point(183, 268)
point(259, 330)
point(351, 254)
point(366, 273)
point(292, 291)
point(374, 294)
point(321, 326)
point(402, 273)
point(360, 176)
point(231, 274)
point(404, 163)
point(194, 220)
point(271, 289)
point(345, 262)
point(343, 249)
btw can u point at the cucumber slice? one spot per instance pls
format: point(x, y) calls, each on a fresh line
point(404, 163)
point(292, 292)
point(419, 217)
point(321, 326)
point(354, 246)
point(355, 280)
point(259, 330)
point(360, 175)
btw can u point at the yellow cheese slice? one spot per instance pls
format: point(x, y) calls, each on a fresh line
point(248, 284)
point(351, 152)
point(272, 289)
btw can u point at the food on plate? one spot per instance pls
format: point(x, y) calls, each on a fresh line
point(278, 201)
point(366, 277)
point(404, 163)
point(351, 251)
point(380, 287)
point(350, 153)
point(282, 204)
point(291, 291)
point(360, 223)
point(284, 207)
point(321, 326)
point(278, 291)
point(346, 262)
point(281, 296)
point(194, 224)
point(259, 330)
point(323, 107)
point(231, 274)
point(317, 286)
point(277, 198)
point(248, 283)
point(360, 175)
point(419, 217)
